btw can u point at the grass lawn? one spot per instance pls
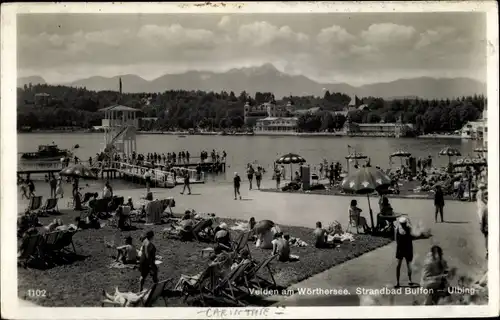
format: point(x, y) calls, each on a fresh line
point(81, 282)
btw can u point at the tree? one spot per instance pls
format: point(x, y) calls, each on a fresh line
point(181, 108)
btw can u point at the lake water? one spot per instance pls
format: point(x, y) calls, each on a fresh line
point(263, 150)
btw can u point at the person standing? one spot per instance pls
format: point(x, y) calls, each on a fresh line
point(237, 184)
point(250, 172)
point(59, 188)
point(147, 264)
point(186, 183)
point(438, 203)
point(188, 155)
point(258, 176)
point(31, 188)
point(147, 177)
point(277, 176)
point(53, 186)
point(404, 248)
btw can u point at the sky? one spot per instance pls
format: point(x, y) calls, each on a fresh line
point(355, 48)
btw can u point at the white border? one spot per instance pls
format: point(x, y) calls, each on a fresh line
point(9, 303)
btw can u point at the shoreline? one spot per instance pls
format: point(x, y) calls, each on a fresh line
point(242, 134)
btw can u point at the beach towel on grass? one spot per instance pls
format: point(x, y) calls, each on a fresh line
point(240, 226)
point(296, 242)
point(121, 265)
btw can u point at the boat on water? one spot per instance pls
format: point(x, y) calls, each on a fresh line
point(181, 136)
point(49, 152)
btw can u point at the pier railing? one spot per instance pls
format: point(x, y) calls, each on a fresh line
point(158, 175)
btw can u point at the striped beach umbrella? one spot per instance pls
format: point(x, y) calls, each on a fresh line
point(481, 150)
point(400, 154)
point(263, 226)
point(355, 156)
point(290, 158)
point(470, 162)
point(78, 171)
point(450, 152)
point(365, 181)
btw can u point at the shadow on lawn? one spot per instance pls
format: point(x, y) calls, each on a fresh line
point(56, 260)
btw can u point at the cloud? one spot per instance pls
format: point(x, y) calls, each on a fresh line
point(224, 22)
point(388, 34)
point(434, 36)
point(334, 35)
point(339, 51)
point(263, 33)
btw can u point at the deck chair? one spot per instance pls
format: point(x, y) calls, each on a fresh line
point(48, 243)
point(242, 243)
point(50, 206)
point(64, 241)
point(193, 286)
point(228, 286)
point(30, 249)
point(200, 226)
point(252, 277)
point(354, 222)
point(35, 204)
point(125, 212)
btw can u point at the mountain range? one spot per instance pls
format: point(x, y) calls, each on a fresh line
point(267, 78)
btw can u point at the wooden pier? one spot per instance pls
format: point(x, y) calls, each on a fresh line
point(159, 178)
point(206, 166)
point(115, 170)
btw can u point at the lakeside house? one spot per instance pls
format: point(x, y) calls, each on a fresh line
point(42, 99)
point(381, 129)
point(476, 130)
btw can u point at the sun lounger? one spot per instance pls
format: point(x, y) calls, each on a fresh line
point(228, 286)
point(50, 206)
point(252, 277)
point(35, 204)
point(157, 290)
point(29, 249)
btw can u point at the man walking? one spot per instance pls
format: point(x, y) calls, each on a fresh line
point(438, 203)
point(237, 184)
point(186, 183)
point(404, 248)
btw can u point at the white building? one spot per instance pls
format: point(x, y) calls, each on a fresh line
point(473, 130)
point(276, 125)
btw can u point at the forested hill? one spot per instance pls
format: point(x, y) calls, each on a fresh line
point(78, 107)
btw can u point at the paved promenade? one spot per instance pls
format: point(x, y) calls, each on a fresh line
point(459, 236)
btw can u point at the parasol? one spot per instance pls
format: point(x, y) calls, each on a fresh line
point(290, 158)
point(472, 162)
point(263, 226)
point(450, 152)
point(400, 154)
point(78, 171)
point(365, 181)
point(481, 150)
point(354, 156)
